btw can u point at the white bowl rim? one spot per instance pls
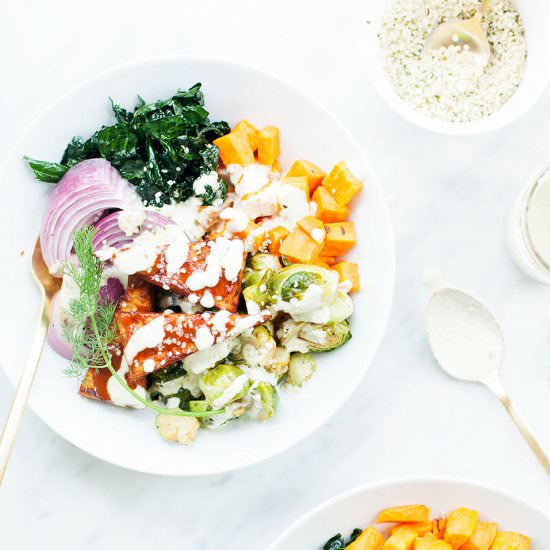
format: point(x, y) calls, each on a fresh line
point(391, 275)
point(394, 482)
point(475, 127)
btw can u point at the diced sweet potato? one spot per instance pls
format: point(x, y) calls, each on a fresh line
point(314, 228)
point(277, 235)
point(441, 526)
point(401, 539)
point(507, 540)
point(369, 539)
point(342, 184)
point(482, 537)
point(251, 132)
point(321, 263)
point(313, 173)
point(276, 167)
point(428, 542)
point(461, 524)
point(403, 514)
point(348, 271)
point(340, 238)
point(329, 260)
point(300, 247)
point(328, 210)
point(235, 148)
point(421, 527)
point(297, 181)
point(268, 145)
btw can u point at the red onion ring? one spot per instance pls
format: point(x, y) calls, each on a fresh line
point(109, 234)
point(81, 196)
point(55, 331)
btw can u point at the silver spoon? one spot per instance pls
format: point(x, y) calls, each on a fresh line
point(465, 33)
point(467, 342)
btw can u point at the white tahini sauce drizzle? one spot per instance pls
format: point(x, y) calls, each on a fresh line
point(150, 335)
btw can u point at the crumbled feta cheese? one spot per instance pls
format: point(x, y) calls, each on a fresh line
point(203, 338)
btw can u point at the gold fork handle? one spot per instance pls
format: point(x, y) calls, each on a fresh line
point(495, 385)
point(22, 393)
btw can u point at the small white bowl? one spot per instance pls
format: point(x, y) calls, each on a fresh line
point(360, 507)
point(535, 14)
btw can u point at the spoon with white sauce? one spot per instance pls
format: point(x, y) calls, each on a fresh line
point(467, 34)
point(467, 342)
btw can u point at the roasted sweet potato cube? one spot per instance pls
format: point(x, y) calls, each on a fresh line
point(314, 228)
point(421, 527)
point(482, 537)
point(403, 514)
point(276, 237)
point(276, 167)
point(300, 247)
point(440, 527)
point(235, 148)
point(401, 539)
point(268, 145)
point(342, 184)
point(507, 540)
point(369, 539)
point(251, 131)
point(428, 542)
point(340, 238)
point(313, 173)
point(297, 181)
point(328, 210)
point(348, 271)
point(461, 524)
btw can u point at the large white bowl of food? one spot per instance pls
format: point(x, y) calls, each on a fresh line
point(213, 243)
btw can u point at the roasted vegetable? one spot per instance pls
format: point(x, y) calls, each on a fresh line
point(403, 514)
point(342, 184)
point(297, 181)
point(326, 337)
point(369, 539)
point(401, 539)
point(265, 400)
point(301, 368)
point(252, 133)
point(258, 347)
point(348, 271)
point(177, 428)
point(482, 538)
point(313, 173)
point(259, 262)
point(328, 210)
point(506, 540)
point(461, 524)
point(339, 239)
point(279, 364)
point(223, 384)
point(268, 145)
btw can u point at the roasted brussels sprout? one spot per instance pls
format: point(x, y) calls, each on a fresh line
point(301, 368)
point(223, 384)
point(340, 308)
point(205, 359)
point(279, 363)
point(299, 288)
point(265, 401)
point(231, 411)
point(258, 296)
point(258, 347)
point(288, 335)
point(326, 337)
point(177, 428)
point(259, 262)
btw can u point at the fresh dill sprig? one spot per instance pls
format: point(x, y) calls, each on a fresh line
point(91, 329)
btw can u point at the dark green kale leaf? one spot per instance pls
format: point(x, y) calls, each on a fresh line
point(335, 543)
point(160, 147)
point(51, 172)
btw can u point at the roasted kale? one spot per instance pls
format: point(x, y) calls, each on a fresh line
point(160, 147)
point(337, 541)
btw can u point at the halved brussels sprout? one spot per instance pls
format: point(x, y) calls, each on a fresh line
point(326, 337)
point(258, 347)
point(301, 368)
point(258, 296)
point(265, 401)
point(259, 262)
point(300, 287)
point(231, 411)
point(279, 363)
point(288, 335)
point(340, 308)
point(223, 384)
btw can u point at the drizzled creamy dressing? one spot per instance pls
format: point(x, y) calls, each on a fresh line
point(120, 396)
point(130, 221)
point(538, 218)
point(150, 335)
point(230, 392)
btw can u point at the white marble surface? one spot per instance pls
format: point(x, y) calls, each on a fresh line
point(406, 418)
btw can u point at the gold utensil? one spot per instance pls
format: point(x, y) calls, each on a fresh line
point(467, 343)
point(465, 33)
point(48, 286)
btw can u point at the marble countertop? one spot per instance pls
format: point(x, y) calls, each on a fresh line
point(449, 197)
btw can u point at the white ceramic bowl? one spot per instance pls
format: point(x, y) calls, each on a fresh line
point(360, 507)
point(127, 437)
point(535, 14)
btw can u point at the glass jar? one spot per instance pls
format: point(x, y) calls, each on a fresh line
point(528, 228)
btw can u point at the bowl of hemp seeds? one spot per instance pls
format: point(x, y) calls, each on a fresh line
point(448, 90)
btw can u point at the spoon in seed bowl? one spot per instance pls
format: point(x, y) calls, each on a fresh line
point(467, 343)
point(467, 34)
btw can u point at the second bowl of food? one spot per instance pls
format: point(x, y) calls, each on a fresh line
point(450, 91)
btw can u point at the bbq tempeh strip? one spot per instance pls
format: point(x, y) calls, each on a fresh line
point(152, 341)
point(139, 296)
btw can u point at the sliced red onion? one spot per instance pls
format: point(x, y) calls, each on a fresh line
point(112, 291)
point(55, 331)
point(81, 196)
point(109, 233)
